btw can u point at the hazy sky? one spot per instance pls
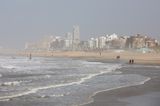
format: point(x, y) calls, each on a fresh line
point(28, 20)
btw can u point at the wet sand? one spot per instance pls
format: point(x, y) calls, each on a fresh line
point(147, 94)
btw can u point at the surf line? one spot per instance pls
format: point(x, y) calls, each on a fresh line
point(34, 90)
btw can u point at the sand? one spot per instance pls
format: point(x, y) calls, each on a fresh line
point(139, 57)
point(147, 94)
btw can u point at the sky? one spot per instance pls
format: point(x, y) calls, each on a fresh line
point(29, 20)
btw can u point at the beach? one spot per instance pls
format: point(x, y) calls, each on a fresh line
point(81, 78)
point(147, 94)
point(152, 58)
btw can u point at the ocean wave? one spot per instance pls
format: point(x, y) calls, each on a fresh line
point(9, 66)
point(58, 95)
point(47, 76)
point(82, 80)
point(4, 100)
point(13, 83)
point(49, 96)
point(91, 63)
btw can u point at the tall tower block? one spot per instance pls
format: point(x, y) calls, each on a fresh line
point(76, 36)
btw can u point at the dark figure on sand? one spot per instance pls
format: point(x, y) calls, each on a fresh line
point(131, 61)
point(118, 57)
point(30, 56)
point(100, 53)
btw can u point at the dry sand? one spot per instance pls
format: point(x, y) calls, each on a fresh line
point(140, 58)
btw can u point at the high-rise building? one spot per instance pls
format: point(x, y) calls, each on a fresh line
point(76, 37)
point(68, 40)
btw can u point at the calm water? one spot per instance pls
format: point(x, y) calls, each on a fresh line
point(58, 81)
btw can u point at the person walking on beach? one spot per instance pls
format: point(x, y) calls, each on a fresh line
point(30, 56)
point(131, 61)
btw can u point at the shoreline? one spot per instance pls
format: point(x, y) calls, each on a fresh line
point(125, 69)
point(102, 98)
point(109, 90)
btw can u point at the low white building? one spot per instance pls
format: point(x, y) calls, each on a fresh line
point(97, 43)
point(102, 42)
point(111, 37)
point(92, 43)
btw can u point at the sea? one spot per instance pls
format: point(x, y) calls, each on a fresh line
point(44, 81)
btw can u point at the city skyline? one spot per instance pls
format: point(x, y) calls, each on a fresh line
point(71, 42)
point(28, 20)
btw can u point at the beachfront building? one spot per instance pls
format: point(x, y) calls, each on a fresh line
point(111, 37)
point(43, 44)
point(31, 46)
point(97, 43)
point(83, 45)
point(119, 43)
point(151, 42)
point(106, 42)
point(57, 43)
point(111, 40)
point(71, 41)
point(139, 41)
point(68, 40)
point(92, 43)
point(102, 42)
point(76, 37)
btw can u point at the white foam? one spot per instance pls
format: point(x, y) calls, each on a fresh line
point(9, 66)
point(19, 63)
point(91, 63)
point(142, 82)
point(117, 72)
point(4, 100)
point(13, 83)
point(48, 96)
point(34, 90)
point(59, 95)
point(48, 76)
